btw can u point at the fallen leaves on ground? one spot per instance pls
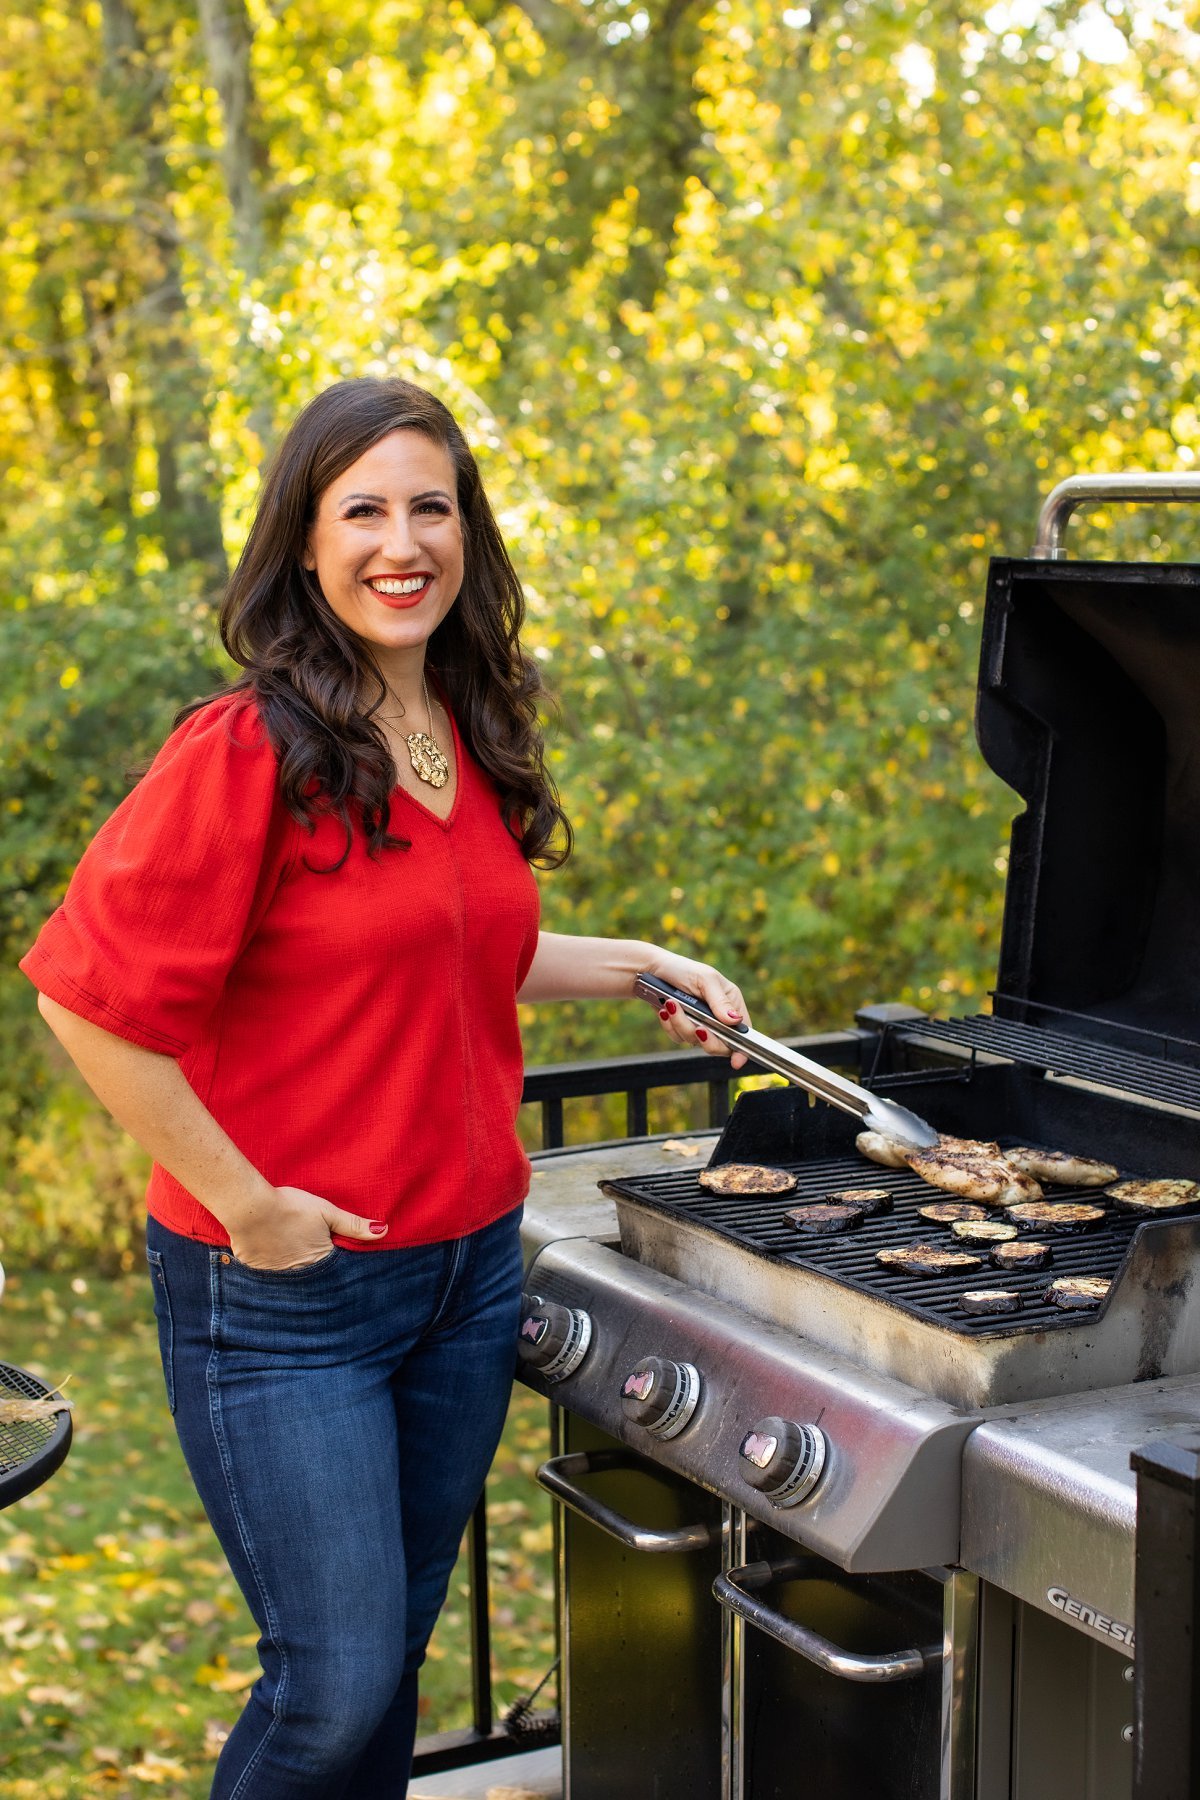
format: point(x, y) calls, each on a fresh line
point(126, 1650)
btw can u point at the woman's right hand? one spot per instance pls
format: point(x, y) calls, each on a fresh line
point(294, 1229)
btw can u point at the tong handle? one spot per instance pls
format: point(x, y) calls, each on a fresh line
point(658, 991)
point(763, 1050)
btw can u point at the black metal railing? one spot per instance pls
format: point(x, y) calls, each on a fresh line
point(636, 1077)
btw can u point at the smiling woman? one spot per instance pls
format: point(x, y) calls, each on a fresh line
point(289, 965)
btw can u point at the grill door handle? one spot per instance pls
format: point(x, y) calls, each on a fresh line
point(738, 1590)
point(557, 1477)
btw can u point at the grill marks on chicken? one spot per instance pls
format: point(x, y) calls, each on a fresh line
point(1060, 1168)
point(976, 1171)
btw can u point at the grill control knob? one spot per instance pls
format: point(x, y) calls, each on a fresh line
point(661, 1395)
point(553, 1339)
point(783, 1460)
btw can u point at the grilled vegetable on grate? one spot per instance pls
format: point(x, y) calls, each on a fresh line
point(1060, 1167)
point(983, 1231)
point(881, 1149)
point(868, 1200)
point(945, 1212)
point(826, 1215)
point(1155, 1196)
point(1022, 1253)
point(1074, 1292)
point(928, 1259)
point(983, 1301)
point(746, 1178)
point(1058, 1215)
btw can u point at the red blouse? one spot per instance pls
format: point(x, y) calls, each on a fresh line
point(355, 1033)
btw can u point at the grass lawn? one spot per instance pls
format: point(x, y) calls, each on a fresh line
point(125, 1648)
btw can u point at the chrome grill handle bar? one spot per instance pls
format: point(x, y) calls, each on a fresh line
point(874, 1110)
point(557, 1477)
point(1078, 490)
point(738, 1590)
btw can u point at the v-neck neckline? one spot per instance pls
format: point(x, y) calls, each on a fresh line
point(408, 794)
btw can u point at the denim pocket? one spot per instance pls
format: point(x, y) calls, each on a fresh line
point(304, 1272)
point(166, 1325)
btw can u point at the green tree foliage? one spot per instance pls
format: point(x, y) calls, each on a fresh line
point(770, 325)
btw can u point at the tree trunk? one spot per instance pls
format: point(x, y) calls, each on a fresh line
point(188, 516)
point(227, 39)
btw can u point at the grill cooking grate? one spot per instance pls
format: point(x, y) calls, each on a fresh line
point(1128, 1071)
point(756, 1222)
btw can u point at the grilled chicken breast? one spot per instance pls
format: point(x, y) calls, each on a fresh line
point(881, 1149)
point(1059, 1167)
point(975, 1171)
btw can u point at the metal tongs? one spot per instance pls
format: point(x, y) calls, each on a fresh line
point(876, 1113)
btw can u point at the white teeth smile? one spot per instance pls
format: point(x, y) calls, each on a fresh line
point(411, 584)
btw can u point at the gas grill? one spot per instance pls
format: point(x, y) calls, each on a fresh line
point(788, 1419)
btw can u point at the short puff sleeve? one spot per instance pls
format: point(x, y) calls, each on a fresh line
point(171, 887)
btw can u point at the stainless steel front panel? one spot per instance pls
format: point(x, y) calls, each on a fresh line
point(889, 1497)
point(1152, 1319)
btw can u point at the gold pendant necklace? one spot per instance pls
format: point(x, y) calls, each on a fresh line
point(428, 761)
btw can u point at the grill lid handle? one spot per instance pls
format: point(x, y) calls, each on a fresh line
point(1077, 490)
point(876, 1113)
point(738, 1591)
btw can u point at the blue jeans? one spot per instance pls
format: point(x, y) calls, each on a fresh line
point(338, 1422)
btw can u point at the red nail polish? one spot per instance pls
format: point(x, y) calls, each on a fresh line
point(734, 1015)
point(664, 1014)
point(671, 1007)
point(376, 1229)
point(703, 1036)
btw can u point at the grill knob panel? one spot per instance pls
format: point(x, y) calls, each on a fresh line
point(661, 1395)
point(553, 1339)
point(783, 1460)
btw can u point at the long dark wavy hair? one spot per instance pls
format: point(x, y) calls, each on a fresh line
point(317, 684)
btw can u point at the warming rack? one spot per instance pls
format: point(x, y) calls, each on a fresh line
point(1162, 1078)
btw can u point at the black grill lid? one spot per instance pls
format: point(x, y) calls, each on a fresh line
point(1089, 707)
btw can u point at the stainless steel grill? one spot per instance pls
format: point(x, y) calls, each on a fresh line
point(759, 1225)
point(832, 1403)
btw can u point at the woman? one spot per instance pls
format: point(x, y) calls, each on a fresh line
point(289, 965)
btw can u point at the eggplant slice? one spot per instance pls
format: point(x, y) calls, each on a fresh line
point(1074, 1293)
point(746, 1178)
point(928, 1259)
point(825, 1216)
point(946, 1212)
point(1058, 1215)
point(984, 1302)
point(1155, 1196)
point(868, 1200)
point(1021, 1253)
point(983, 1231)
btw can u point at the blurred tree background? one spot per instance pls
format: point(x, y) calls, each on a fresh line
point(769, 324)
